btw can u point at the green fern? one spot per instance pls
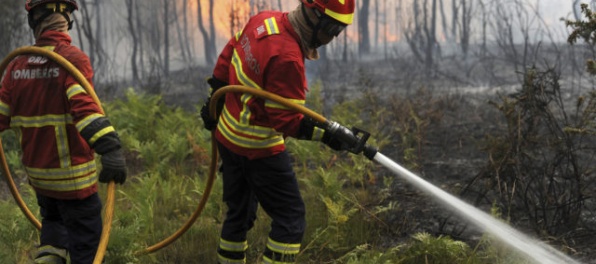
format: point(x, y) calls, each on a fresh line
point(437, 250)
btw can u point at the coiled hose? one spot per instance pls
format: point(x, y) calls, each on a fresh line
point(109, 204)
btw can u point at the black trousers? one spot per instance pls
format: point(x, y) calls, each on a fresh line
point(74, 225)
point(270, 182)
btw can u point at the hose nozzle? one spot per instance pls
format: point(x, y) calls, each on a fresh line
point(354, 140)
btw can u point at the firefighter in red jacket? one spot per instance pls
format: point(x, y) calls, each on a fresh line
point(269, 55)
point(60, 127)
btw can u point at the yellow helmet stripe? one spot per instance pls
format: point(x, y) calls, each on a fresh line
point(344, 18)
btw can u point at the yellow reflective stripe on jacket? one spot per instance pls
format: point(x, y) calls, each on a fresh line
point(62, 144)
point(65, 185)
point(244, 80)
point(283, 248)
point(233, 246)
point(262, 137)
point(74, 90)
point(62, 173)
point(64, 179)
point(245, 113)
point(59, 123)
point(272, 104)
point(101, 133)
point(251, 130)
point(271, 25)
point(87, 120)
point(40, 121)
point(4, 109)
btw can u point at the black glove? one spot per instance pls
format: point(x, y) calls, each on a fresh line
point(113, 167)
point(307, 128)
point(208, 121)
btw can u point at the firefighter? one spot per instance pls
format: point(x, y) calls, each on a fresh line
point(269, 54)
point(60, 128)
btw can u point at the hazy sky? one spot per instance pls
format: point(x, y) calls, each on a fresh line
point(551, 11)
point(556, 8)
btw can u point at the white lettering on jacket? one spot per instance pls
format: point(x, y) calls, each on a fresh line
point(249, 58)
point(42, 73)
point(37, 60)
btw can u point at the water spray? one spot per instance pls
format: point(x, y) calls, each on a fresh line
point(538, 252)
point(534, 250)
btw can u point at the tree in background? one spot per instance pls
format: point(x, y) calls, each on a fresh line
point(421, 34)
point(14, 31)
point(91, 26)
point(586, 31)
point(363, 27)
point(209, 36)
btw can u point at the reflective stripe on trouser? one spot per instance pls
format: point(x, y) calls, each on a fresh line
point(230, 252)
point(280, 253)
point(270, 182)
point(50, 255)
point(72, 224)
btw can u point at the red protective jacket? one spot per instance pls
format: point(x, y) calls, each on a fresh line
point(266, 55)
point(48, 108)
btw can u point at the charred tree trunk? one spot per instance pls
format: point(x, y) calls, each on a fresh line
point(466, 15)
point(208, 36)
point(135, 40)
point(166, 37)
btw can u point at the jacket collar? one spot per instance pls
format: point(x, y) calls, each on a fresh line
point(52, 38)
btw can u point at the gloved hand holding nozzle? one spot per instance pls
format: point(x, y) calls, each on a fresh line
point(339, 137)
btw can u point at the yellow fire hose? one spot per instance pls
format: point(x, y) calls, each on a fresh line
point(109, 204)
point(214, 155)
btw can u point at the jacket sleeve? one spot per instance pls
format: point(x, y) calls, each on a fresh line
point(286, 79)
point(5, 102)
point(91, 123)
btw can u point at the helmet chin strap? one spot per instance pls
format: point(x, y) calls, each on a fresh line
point(314, 41)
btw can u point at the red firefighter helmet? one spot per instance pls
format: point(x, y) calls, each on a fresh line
point(30, 4)
point(340, 10)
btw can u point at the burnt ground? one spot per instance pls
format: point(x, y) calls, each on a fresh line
point(451, 157)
